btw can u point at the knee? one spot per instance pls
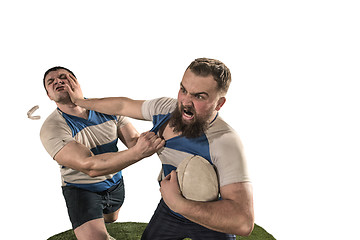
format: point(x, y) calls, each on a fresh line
point(112, 217)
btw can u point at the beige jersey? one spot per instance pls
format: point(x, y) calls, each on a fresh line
point(99, 133)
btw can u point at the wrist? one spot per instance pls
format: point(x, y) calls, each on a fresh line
point(135, 154)
point(79, 101)
point(180, 206)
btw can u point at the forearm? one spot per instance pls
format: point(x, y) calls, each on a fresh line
point(108, 163)
point(223, 216)
point(78, 157)
point(111, 106)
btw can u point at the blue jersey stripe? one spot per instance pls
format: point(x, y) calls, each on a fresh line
point(158, 121)
point(100, 186)
point(167, 169)
point(77, 124)
point(196, 146)
point(109, 147)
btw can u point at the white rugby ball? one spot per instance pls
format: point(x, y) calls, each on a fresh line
point(197, 179)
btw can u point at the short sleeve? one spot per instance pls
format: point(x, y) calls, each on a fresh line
point(157, 106)
point(229, 159)
point(122, 121)
point(55, 134)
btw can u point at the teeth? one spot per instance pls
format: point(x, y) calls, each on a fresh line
point(188, 113)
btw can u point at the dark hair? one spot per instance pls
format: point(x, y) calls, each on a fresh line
point(55, 69)
point(207, 66)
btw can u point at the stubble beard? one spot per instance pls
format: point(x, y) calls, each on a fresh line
point(63, 98)
point(194, 129)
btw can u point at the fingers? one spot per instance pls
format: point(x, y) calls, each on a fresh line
point(148, 143)
point(72, 82)
point(171, 176)
point(71, 78)
point(156, 141)
point(160, 143)
point(149, 136)
point(68, 87)
point(143, 134)
point(167, 177)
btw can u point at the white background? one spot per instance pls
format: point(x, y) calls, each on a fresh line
point(294, 100)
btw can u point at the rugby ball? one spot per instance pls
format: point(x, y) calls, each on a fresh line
point(197, 179)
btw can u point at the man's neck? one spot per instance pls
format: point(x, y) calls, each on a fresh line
point(213, 117)
point(74, 110)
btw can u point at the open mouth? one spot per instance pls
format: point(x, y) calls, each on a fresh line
point(188, 114)
point(60, 88)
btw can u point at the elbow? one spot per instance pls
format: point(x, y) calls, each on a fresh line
point(93, 173)
point(244, 228)
point(89, 169)
point(247, 230)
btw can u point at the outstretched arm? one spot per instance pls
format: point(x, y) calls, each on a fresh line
point(76, 156)
point(113, 105)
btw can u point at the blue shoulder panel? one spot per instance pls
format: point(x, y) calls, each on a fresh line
point(76, 124)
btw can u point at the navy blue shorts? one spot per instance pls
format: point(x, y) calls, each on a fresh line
point(166, 225)
point(84, 205)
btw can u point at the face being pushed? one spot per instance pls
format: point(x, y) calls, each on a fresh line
point(198, 102)
point(55, 85)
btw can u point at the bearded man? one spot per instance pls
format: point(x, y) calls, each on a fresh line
point(191, 125)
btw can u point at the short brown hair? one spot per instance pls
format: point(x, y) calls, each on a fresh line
point(207, 66)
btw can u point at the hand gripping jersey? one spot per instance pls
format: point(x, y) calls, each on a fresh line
point(220, 144)
point(99, 133)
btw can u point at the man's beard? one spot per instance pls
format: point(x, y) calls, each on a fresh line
point(190, 130)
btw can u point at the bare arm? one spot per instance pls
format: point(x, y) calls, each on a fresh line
point(76, 156)
point(113, 105)
point(233, 214)
point(128, 135)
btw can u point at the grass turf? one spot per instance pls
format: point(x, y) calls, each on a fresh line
point(133, 231)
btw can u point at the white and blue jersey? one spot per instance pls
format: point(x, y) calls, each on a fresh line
point(220, 144)
point(99, 133)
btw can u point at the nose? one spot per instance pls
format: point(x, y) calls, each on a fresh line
point(58, 81)
point(187, 100)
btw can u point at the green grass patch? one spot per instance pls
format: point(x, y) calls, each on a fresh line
point(133, 231)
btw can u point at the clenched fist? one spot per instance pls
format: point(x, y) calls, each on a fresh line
point(147, 144)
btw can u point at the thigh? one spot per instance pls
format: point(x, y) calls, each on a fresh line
point(94, 229)
point(166, 225)
point(198, 232)
point(113, 199)
point(163, 225)
point(111, 217)
point(82, 205)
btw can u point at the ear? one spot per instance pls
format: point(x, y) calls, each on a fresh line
point(220, 103)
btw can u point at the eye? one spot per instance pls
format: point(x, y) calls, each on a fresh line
point(50, 81)
point(198, 96)
point(183, 90)
point(62, 76)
